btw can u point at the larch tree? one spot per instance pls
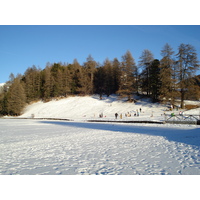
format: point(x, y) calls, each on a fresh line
point(187, 65)
point(4, 95)
point(89, 69)
point(193, 92)
point(128, 76)
point(16, 98)
point(154, 80)
point(57, 78)
point(47, 88)
point(99, 81)
point(67, 78)
point(109, 77)
point(32, 83)
point(168, 89)
point(144, 65)
point(116, 73)
point(76, 76)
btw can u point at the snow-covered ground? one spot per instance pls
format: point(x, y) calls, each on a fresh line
point(29, 146)
point(90, 107)
point(33, 146)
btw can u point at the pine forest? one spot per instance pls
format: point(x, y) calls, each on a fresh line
point(171, 78)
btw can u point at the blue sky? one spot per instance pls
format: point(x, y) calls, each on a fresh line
point(24, 46)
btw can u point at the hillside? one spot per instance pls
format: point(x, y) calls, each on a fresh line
point(90, 107)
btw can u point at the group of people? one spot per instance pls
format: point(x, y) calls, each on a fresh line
point(116, 115)
point(180, 113)
point(136, 113)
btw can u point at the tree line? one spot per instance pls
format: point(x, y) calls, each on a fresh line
point(166, 80)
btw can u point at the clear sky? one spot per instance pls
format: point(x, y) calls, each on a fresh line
point(24, 46)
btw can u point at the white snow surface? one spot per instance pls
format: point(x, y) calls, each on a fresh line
point(33, 146)
point(30, 146)
point(90, 107)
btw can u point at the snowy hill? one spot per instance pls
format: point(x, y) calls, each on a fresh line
point(90, 107)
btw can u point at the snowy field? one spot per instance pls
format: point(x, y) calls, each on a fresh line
point(79, 148)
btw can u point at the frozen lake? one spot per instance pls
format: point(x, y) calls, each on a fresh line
point(59, 147)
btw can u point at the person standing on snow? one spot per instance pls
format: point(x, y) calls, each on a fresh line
point(116, 115)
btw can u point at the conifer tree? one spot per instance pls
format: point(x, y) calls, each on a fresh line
point(193, 92)
point(3, 95)
point(144, 64)
point(168, 90)
point(154, 80)
point(3, 104)
point(187, 65)
point(88, 71)
point(109, 77)
point(75, 79)
point(47, 87)
point(67, 78)
point(128, 76)
point(15, 98)
point(116, 74)
point(32, 83)
point(99, 81)
point(56, 73)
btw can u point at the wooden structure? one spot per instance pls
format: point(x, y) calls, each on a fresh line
point(182, 119)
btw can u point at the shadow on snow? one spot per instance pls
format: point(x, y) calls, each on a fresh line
point(187, 136)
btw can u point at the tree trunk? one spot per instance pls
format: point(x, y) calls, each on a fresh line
point(182, 98)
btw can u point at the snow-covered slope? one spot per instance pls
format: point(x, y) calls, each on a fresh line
point(90, 107)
